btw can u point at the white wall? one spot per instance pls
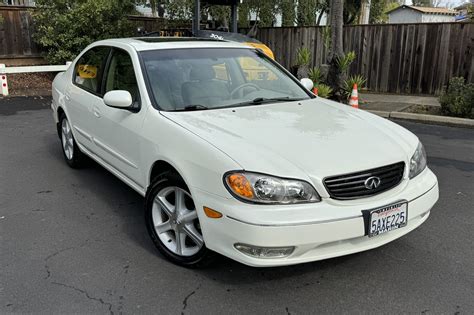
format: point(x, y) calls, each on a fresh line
point(434, 18)
point(405, 15)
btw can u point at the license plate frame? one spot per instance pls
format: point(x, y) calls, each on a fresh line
point(389, 213)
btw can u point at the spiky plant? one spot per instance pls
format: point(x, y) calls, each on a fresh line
point(315, 75)
point(324, 90)
point(349, 83)
point(303, 59)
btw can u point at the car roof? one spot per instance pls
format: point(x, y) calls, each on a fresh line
point(154, 43)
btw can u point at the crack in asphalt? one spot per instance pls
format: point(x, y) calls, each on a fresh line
point(185, 301)
point(46, 266)
point(87, 295)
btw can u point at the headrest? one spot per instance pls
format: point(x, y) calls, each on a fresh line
point(202, 73)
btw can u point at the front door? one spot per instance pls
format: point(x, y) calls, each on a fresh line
point(117, 131)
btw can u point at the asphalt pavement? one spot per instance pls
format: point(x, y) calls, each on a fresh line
point(74, 241)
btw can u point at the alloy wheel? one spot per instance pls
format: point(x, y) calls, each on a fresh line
point(176, 221)
point(67, 139)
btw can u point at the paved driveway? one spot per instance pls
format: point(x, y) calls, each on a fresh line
point(74, 241)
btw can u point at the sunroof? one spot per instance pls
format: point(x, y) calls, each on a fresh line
point(173, 39)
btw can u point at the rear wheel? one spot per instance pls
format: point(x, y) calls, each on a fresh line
point(73, 155)
point(172, 222)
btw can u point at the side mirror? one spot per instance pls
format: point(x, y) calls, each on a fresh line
point(118, 99)
point(307, 83)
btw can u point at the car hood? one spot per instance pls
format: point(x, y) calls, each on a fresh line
point(314, 138)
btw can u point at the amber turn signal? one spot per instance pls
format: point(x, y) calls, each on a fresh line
point(240, 185)
point(211, 213)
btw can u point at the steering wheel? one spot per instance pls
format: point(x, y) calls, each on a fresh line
point(240, 89)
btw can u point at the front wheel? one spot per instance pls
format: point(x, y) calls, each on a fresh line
point(173, 224)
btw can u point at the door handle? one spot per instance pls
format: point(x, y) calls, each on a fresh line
point(68, 98)
point(96, 111)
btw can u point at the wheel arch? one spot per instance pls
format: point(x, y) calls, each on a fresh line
point(161, 166)
point(60, 111)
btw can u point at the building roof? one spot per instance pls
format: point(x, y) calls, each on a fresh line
point(426, 10)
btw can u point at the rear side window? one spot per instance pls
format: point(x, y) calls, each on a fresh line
point(89, 68)
point(121, 75)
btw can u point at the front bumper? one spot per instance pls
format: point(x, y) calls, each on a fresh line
point(318, 231)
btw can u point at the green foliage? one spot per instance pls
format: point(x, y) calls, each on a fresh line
point(265, 11)
point(422, 3)
point(65, 27)
point(287, 9)
point(470, 12)
point(327, 37)
point(458, 98)
point(315, 75)
point(178, 10)
point(379, 9)
point(303, 57)
point(355, 79)
point(324, 91)
point(344, 62)
point(351, 11)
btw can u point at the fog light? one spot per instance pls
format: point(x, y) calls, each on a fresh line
point(264, 252)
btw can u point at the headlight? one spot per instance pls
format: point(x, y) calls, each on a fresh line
point(418, 161)
point(260, 188)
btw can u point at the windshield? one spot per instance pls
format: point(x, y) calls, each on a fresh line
point(196, 79)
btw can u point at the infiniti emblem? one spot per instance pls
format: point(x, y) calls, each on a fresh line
point(372, 182)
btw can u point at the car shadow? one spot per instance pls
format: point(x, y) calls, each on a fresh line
point(127, 205)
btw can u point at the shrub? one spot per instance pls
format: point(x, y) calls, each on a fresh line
point(303, 56)
point(324, 90)
point(349, 83)
point(65, 27)
point(345, 61)
point(315, 75)
point(458, 98)
point(303, 60)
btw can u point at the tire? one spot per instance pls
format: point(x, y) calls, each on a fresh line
point(71, 152)
point(177, 236)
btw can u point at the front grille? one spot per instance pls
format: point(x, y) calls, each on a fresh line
point(352, 186)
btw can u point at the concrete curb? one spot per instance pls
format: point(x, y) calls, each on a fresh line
point(427, 119)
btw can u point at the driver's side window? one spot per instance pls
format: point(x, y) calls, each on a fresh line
point(121, 74)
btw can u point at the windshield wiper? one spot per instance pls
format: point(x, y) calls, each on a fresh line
point(262, 100)
point(191, 108)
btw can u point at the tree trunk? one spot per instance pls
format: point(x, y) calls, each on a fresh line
point(335, 75)
point(364, 12)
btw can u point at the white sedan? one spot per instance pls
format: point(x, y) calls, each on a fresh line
point(234, 155)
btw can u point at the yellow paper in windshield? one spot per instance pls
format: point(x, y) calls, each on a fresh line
point(87, 71)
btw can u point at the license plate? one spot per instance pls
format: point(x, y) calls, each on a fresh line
point(388, 218)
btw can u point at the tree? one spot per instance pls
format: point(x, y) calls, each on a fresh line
point(157, 6)
point(422, 3)
point(287, 10)
point(335, 75)
point(65, 27)
point(470, 12)
point(351, 11)
point(379, 9)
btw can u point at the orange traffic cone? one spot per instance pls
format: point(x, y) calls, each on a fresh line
point(354, 100)
point(315, 91)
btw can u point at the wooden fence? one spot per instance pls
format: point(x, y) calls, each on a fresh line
point(16, 33)
point(395, 58)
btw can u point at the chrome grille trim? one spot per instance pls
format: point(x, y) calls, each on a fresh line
point(351, 186)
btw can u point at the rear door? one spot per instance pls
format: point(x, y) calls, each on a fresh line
point(85, 93)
